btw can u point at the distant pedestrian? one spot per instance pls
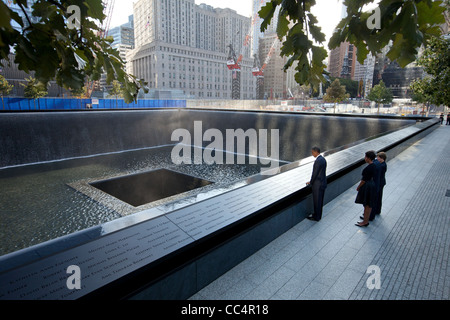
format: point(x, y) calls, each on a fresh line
point(448, 119)
point(381, 156)
point(318, 183)
point(441, 118)
point(366, 189)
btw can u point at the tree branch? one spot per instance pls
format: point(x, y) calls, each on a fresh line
point(58, 5)
point(25, 13)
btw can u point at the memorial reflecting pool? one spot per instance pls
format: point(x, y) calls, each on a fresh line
point(74, 153)
point(43, 201)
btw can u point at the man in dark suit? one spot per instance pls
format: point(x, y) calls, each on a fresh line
point(318, 183)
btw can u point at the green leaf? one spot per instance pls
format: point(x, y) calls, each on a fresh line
point(340, 34)
point(317, 33)
point(266, 13)
point(291, 60)
point(291, 8)
point(401, 51)
point(361, 52)
point(319, 54)
point(5, 17)
point(427, 14)
point(95, 9)
point(282, 26)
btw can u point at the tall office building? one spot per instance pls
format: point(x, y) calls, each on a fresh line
point(256, 33)
point(277, 83)
point(275, 79)
point(182, 49)
point(123, 36)
point(342, 59)
point(394, 77)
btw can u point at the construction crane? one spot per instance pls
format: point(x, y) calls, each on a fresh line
point(232, 62)
point(235, 68)
point(257, 70)
point(259, 74)
point(109, 9)
point(248, 37)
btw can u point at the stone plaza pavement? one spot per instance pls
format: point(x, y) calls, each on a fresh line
point(409, 242)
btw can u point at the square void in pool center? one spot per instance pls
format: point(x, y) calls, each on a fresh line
point(142, 188)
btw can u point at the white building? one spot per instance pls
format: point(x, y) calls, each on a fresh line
point(182, 49)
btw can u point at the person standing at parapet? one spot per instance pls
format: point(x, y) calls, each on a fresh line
point(318, 183)
point(441, 118)
point(381, 156)
point(376, 180)
point(366, 189)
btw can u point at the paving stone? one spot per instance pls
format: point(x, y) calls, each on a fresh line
point(414, 257)
point(315, 291)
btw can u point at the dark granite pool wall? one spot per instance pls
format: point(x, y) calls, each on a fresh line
point(197, 273)
point(45, 136)
point(37, 137)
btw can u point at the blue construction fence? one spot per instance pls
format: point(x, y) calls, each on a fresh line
point(24, 104)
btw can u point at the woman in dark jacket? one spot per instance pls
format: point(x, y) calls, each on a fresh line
point(381, 156)
point(366, 189)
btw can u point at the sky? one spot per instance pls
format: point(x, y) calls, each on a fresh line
point(328, 12)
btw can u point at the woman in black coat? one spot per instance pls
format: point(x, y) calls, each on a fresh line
point(381, 156)
point(366, 189)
